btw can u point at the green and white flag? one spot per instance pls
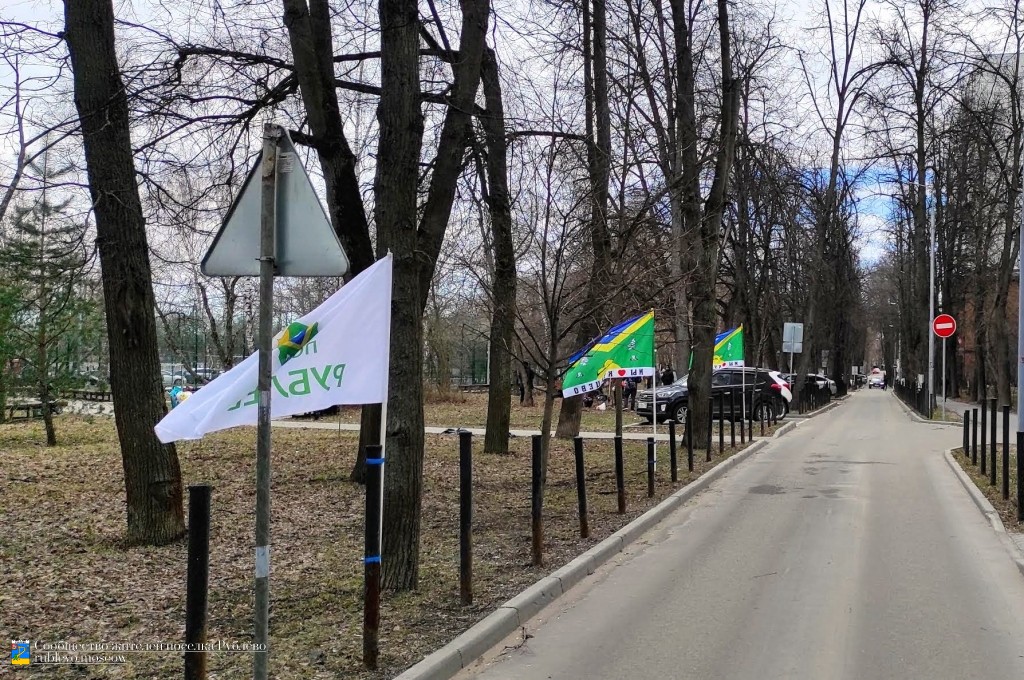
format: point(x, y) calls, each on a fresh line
point(729, 348)
point(336, 354)
point(626, 351)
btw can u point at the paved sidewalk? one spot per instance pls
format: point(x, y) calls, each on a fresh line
point(960, 407)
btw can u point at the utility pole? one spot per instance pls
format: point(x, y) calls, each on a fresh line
point(931, 312)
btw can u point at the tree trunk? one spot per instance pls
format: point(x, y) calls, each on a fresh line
point(503, 284)
point(309, 32)
point(42, 363)
point(598, 133)
point(706, 245)
point(152, 474)
point(395, 184)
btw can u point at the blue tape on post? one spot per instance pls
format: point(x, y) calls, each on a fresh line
point(372, 560)
point(374, 461)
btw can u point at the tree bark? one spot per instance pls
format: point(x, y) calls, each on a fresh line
point(503, 283)
point(599, 149)
point(309, 32)
point(152, 474)
point(415, 248)
point(706, 245)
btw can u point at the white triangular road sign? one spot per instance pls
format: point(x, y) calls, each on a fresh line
point(306, 242)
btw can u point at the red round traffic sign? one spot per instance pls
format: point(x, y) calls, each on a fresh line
point(944, 325)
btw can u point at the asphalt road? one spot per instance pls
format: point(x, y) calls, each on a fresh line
point(846, 550)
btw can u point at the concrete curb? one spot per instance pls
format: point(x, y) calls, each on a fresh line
point(986, 509)
point(913, 415)
point(444, 663)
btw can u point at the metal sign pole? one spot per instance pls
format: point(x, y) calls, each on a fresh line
point(1020, 332)
point(268, 243)
point(931, 313)
point(944, 378)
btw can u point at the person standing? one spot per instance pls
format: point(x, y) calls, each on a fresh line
point(520, 387)
point(668, 377)
point(629, 394)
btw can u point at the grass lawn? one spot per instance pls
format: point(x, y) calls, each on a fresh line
point(469, 409)
point(1007, 509)
point(68, 576)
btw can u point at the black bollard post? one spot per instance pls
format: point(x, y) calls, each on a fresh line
point(984, 439)
point(750, 420)
point(1020, 476)
point(711, 427)
point(966, 429)
point(371, 559)
point(620, 477)
point(672, 450)
point(1006, 452)
point(974, 436)
point(537, 523)
point(992, 444)
point(650, 467)
point(689, 440)
point(732, 418)
point(466, 517)
point(197, 580)
point(721, 423)
point(763, 407)
point(581, 488)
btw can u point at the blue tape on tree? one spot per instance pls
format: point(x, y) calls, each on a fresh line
point(374, 461)
point(372, 560)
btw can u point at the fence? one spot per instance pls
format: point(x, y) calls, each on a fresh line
point(915, 397)
point(998, 460)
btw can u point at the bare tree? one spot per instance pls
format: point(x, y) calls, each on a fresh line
point(152, 474)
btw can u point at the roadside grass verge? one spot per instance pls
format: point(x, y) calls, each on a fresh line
point(68, 576)
point(1007, 509)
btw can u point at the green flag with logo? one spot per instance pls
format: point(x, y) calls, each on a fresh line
point(626, 351)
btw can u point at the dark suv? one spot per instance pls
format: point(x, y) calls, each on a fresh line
point(765, 395)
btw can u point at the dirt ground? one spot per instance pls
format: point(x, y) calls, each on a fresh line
point(67, 575)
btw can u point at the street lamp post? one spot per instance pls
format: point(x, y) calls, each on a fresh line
point(931, 314)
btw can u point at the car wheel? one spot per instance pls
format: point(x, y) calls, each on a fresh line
point(679, 413)
point(763, 411)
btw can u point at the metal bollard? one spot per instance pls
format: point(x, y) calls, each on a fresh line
point(689, 440)
point(537, 506)
point(1006, 452)
point(197, 580)
point(620, 477)
point(974, 436)
point(721, 424)
point(992, 444)
point(371, 559)
point(732, 418)
point(581, 488)
point(984, 439)
point(466, 517)
point(672, 450)
point(650, 467)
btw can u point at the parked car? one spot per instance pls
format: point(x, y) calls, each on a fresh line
point(767, 394)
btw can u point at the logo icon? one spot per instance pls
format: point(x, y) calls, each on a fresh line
point(293, 340)
point(21, 654)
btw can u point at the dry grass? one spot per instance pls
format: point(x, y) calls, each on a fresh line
point(469, 409)
point(67, 576)
point(1007, 509)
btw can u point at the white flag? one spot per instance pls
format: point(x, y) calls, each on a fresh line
point(336, 354)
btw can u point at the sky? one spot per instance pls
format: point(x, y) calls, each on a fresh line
point(794, 17)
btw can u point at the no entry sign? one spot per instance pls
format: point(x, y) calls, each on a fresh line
point(944, 325)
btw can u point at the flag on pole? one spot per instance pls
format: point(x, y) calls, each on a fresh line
point(729, 348)
point(336, 354)
point(626, 351)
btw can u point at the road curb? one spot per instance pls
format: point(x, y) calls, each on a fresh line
point(913, 415)
point(986, 508)
point(511, 616)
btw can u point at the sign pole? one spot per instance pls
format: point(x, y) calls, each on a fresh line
point(268, 243)
point(944, 378)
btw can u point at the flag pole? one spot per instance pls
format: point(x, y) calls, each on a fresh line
point(654, 392)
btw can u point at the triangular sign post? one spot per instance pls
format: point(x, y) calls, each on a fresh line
point(307, 244)
point(275, 227)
